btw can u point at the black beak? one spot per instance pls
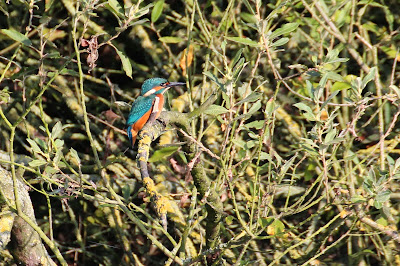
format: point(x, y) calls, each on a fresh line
point(173, 84)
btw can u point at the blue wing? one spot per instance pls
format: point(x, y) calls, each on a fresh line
point(139, 107)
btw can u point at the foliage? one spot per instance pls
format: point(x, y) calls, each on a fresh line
point(299, 145)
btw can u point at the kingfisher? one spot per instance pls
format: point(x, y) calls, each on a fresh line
point(150, 101)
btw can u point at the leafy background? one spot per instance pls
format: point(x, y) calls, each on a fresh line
point(300, 146)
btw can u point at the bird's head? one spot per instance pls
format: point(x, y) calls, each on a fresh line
point(157, 86)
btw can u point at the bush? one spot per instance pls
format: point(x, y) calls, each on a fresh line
point(281, 150)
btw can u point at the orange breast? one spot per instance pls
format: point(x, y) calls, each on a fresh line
point(136, 127)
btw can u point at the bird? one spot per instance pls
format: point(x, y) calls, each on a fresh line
point(150, 101)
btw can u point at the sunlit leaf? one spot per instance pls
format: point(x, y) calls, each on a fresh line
point(276, 227)
point(254, 96)
point(357, 199)
point(17, 36)
point(117, 9)
point(264, 222)
point(157, 10)
point(216, 110)
point(280, 42)
point(57, 128)
point(170, 39)
point(187, 58)
point(245, 41)
point(126, 63)
point(255, 107)
point(285, 29)
point(36, 163)
point(163, 153)
point(75, 155)
point(256, 124)
point(59, 143)
point(370, 76)
point(34, 146)
point(383, 196)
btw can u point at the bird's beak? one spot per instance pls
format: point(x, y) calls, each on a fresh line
point(173, 84)
point(167, 86)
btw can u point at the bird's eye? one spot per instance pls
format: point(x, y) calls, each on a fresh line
point(164, 84)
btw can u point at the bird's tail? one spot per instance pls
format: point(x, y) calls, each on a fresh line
point(132, 134)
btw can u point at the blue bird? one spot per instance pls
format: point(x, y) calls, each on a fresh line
point(150, 101)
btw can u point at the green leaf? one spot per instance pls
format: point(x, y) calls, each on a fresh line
point(331, 55)
point(55, 132)
point(338, 86)
point(157, 10)
point(59, 143)
point(245, 41)
point(367, 185)
point(271, 107)
point(42, 143)
point(280, 42)
point(303, 107)
point(36, 163)
point(138, 22)
point(34, 146)
point(57, 157)
point(329, 99)
point(265, 156)
point(357, 199)
point(249, 144)
point(50, 170)
point(255, 107)
point(330, 136)
point(236, 58)
point(286, 167)
point(308, 112)
point(276, 227)
point(126, 63)
point(378, 204)
point(229, 219)
point(370, 76)
point(249, 18)
point(383, 196)
point(75, 155)
point(143, 11)
point(382, 221)
point(285, 29)
point(116, 8)
point(264, 222)
point(170, 39)
point(162, 153)
point(215, 110)
point(126, 192)
point(64, 72)
point(17, 36)
point(237, 70)
point(395, 89)
point(254, 96)
point(256, 124)
point(212, 77)
point(335, 76)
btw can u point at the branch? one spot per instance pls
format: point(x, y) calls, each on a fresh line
point(25, 236)
point(151, 131)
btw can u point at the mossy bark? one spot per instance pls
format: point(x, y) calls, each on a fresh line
point(25, 243)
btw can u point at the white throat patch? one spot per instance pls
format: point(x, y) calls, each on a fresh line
point(150, 92)
point(155, 106)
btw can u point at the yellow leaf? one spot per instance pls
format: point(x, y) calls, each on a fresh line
point(52, 35)
point(276, 227)
point(344, 213)
point(187, 59)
